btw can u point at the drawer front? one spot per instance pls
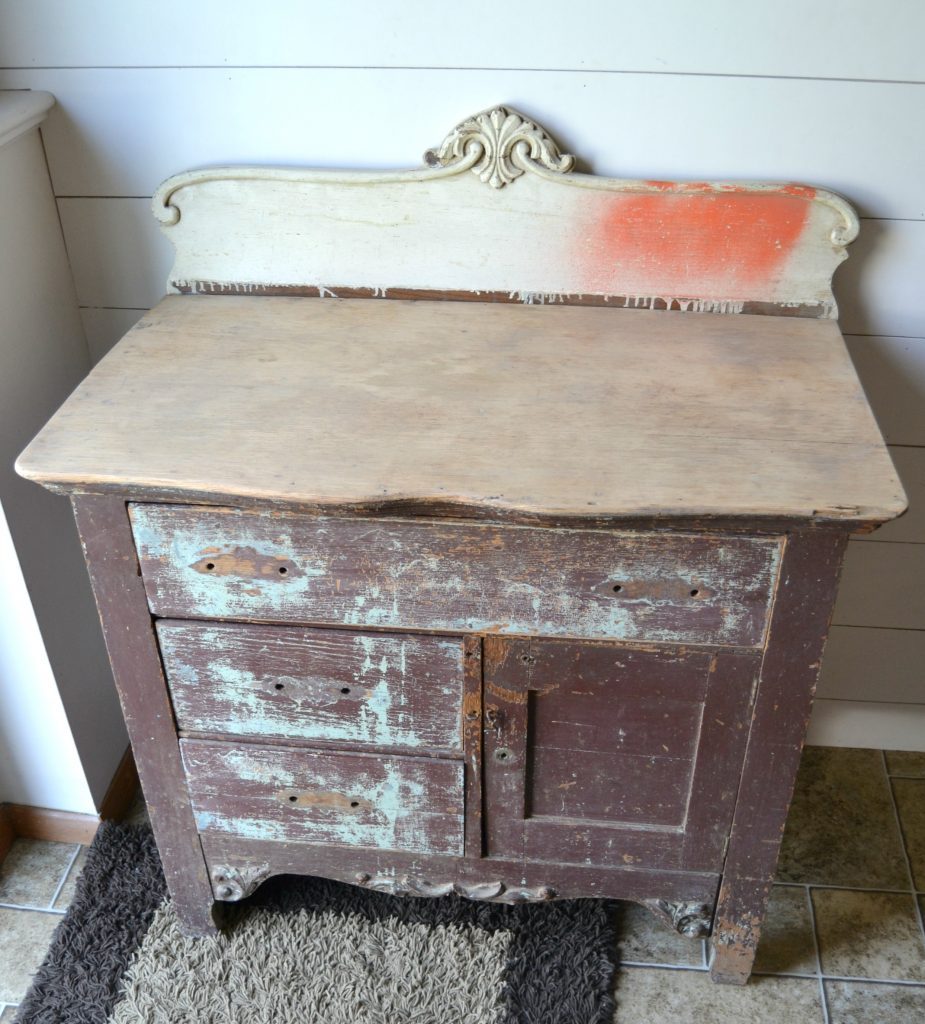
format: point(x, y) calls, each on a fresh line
point(225, 563)
point(315, 684)
point(387, 803)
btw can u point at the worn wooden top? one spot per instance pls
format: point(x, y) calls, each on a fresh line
point(478, 407)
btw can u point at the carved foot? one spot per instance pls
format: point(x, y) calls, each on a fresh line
point(687, 918)
point(232, 884)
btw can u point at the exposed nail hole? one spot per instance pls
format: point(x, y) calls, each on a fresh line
point(345, 689)
point(354, 803)
point(210, 565)
point(694, 592)
point(278, 686)
point(293, 799)
point(283, 570)
point(617, 587)
point(527, 659)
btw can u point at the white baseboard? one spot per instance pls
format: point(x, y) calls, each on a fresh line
point(856, 723)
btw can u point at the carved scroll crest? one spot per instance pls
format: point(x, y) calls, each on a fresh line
point(232, 884)
point(508, 142)
point(492, 891)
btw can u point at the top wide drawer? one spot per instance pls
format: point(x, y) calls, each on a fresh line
point(201, 562)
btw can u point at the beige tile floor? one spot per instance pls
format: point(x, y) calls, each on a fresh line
point(843, 944)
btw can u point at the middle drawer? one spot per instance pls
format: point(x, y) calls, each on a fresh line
point(364, 689)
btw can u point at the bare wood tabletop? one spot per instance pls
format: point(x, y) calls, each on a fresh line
point(551, 410)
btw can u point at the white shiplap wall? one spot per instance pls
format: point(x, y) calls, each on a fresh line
point(828, 93)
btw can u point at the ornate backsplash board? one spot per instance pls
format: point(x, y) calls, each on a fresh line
point(498, 214)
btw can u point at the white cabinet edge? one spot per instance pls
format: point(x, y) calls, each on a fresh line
point(20, 111)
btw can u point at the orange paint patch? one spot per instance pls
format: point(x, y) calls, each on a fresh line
point(728, 244)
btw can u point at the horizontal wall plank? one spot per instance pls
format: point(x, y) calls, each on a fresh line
point(118, 253)
point(879, 288)
point(789, 37)
point(910, 464)
point(874, 664)
point(120, 257)
point(848, 723)
point(881, 585)
point(120, 132)
point(892, 371)
point(104, 327)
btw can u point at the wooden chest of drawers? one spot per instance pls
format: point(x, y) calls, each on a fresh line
point(517, 601)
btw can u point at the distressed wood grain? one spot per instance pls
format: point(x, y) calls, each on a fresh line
point(223, 563)
point(477, 409)
point(130, 640)
point(353, 865)
point(504, 746)
point(275, 793)
point(802, 613)
point(358, 689)
point(472, 744)
point(624, 766)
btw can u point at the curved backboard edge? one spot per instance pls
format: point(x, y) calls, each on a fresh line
point(756, 247)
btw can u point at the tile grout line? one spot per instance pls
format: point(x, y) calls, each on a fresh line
point(842, 888)
point(795, 975)
point(916, 905)
point(692, 968)
point(857, 979)
point(817, 953)
point(64, 876)
point(31, 907)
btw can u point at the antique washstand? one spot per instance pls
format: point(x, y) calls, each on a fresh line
point(476, 528)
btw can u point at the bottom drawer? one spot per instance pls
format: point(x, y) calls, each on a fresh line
point(391, 803)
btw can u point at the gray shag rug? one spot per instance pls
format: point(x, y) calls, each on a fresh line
point(310, 950)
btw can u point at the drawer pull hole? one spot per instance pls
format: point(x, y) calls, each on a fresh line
point(695, 592)
point(210, 565)
point(283, 570)
point(345, 689)
point(278, 686)
point(354, 803)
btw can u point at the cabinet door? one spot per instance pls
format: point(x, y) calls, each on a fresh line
point(613, 755)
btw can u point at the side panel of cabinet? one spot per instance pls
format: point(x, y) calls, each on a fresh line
point(613, 755)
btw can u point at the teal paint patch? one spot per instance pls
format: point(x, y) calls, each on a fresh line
point(227, 679)
point(668, 588)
